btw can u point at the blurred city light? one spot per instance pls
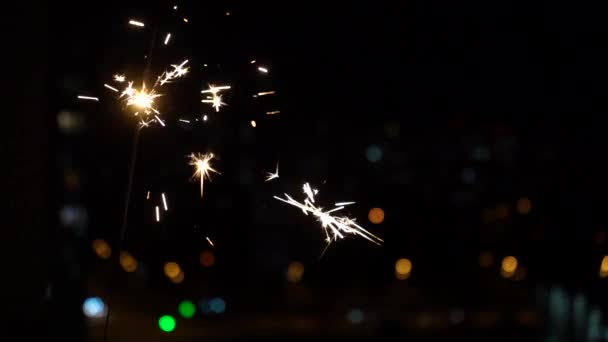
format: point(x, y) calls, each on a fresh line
point(166, 323)
point(295, 270)
point(376, 215)
point(524, 206)
point(206, 258)
point(486, 259)
point(186, 308)
point(604, 267)
point(94, 307)
point(373, 154)
point(355, 316)
point(128, 262)
point(217, 305)
point(508, 266)
point(403, 268)
point(101, 248)
point(171, 269)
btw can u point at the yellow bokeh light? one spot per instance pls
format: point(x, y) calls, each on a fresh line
point(509, 264)
point(524, 206)
point(376, 215)
point(295, 270)
point(486, 259)
point(128, 262)
point(179, 278)
point(403, 268)
point(172, 269)
point(206, 258)
point(102, 249)
point(604, 267)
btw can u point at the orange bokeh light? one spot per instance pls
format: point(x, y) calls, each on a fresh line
point(376, 215)
point(206, 258)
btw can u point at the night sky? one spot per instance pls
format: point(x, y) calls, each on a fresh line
point(450, 117)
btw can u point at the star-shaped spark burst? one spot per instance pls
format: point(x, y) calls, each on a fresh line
point(141, 99)
point(337, 225)
point(215, 99)
point(119, 78)
point(178, 71)
point(202, 167)
point(270, 176)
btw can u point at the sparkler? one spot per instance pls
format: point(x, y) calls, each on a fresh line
point(141, 99)
point(136, 23)
point(339, 226)
point(262, 69)
point(164, 201)
point(202, 167)
point(167, 38)
point(110, 87)
point(210, 242)
point(263, 93)
point(178, 71)
point(119, 78)
point(157, 214)
point(270, 176)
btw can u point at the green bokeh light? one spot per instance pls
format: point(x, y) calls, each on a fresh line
point(186, 308)
point(166, 323)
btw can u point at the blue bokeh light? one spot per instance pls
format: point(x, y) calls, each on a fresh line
point(217, 305)
point(355, 316)
point(94, 307)
point(373, 154)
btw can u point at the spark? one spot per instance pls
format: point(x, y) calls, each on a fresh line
point(216, 101)
point(148, 195)
point(167, 38)
point(185, 20)
point(271, 92)
point(175, 7)
point(204, 117)
point(342, 204)
point(262, 69)
point(186, 121)
point(178, 71)
point(82, 97)
point(273, 112)
point(141, 99)
point(252, 62)
point(157, 214)
point(339, 226)
point(159, 120)
point(164, 201)
point(270, 176)
point(214, 90)
point(119, 78)
point(136, 23)
point(210, 242)
point(253, 124)
point(202, 167)
point(110, 87)
point(143, 123)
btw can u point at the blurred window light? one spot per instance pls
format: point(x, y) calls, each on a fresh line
point(604, 267)
point(403, 268)
point(295, 270)
point(469, 176)
point(128, 262)
point(376, 215)
point(373, 154)
point(524, 206)
point(94, 307)
point(206, 258)
point(456, 316)
point(486, 259)
point(171, 269)
point(355, 316)
point(186, 308)
point(217, 305)
point(480, 153)
point(101, 248)
point(73, 216)
point(392, 130)
point(166, 323)
point(70, 122)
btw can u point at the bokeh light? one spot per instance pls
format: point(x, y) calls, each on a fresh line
point(94, 307)
point(217, 305)
point(102, 249)
point(206, 258)
point(520, 273)
point(355, 316)
point(403, 268)
point(295, 270)
point(186, 308)
point(166, 323)
point(179, 278)
point(524, 206)
point(376, 215)
point(508, 266)
point(171, 269)
point(502, 212)
point(128, 262)
point(486, 259)
point(604, 267)
point(373, 154)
